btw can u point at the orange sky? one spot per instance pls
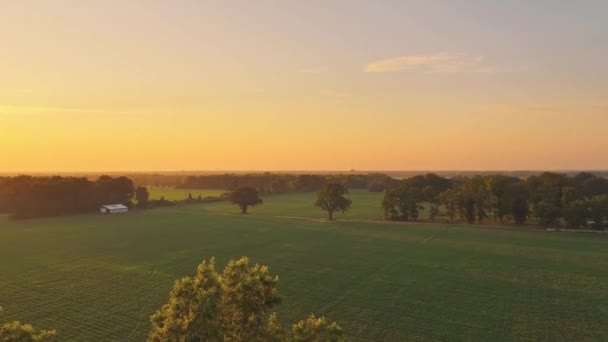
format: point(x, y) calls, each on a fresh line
point(186, 85)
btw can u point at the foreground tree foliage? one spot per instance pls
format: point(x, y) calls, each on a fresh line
point(19, 332)
point(244, 198)
point(232, 306)
point(331, 199)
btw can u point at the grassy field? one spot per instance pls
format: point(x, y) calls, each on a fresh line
point(98, 278)
point(366, 205)
point(172, 194)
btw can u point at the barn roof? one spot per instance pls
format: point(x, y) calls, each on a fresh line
point(114, 206)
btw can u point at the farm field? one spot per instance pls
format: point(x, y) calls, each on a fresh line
point(366, 205)
point(172, 194)
point(98, 278)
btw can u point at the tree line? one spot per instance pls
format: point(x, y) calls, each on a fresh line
point(180, 179)
point(547, 199)
point(27, 197)
point(268, 183)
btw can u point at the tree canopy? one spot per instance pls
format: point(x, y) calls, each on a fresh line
point(331, 199)
point(141, 196)
point(18, 332)
point(245, 197)
point(26, 196)
point(232, 306)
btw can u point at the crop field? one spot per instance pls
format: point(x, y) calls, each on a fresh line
point(98, 278)
point(172, 194)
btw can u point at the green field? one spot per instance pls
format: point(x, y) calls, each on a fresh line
point(171, 194)
point(366, 205)
point(98, 278)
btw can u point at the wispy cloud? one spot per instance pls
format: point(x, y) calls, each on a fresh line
point(436, 63)
point(314, 70)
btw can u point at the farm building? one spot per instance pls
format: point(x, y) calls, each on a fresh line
point(113, 209)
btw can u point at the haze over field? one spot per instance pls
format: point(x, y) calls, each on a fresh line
point(290, 85)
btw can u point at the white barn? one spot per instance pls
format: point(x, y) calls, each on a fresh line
point(113, 209)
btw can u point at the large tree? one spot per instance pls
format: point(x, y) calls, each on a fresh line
point(232, 306)
point(331, 199)
point(245, 197)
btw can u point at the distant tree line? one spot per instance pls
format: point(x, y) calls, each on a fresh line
point(27, 197)
point(179, 179)
point(267, 183)
point(547, 199)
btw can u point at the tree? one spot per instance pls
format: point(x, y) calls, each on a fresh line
point(576, 213)
point(390, 203)
point(19, 332)
point(452, 201)
point(245, 197)
point(514, 202)
point(331, 199)
point(519, 210)
point(469, 208)
point(114, 190)
point(402, 203)
point(548, 212)
point(433, 210)
point(142, 195)
point(232, 306)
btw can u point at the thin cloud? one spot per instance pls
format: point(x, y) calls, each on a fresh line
point(437, 63)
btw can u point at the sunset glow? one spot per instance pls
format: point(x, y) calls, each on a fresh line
point(289, 85)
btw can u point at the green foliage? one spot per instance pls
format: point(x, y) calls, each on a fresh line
point(453, 202)
point(599, 210)
point(402, 203)
point(434, 211)
point(28, 197)
point(576, 213)
point(548, 212)
point(19, 332)
point(245, 197)
point(469, 208)
point(141, 196)
point(315, 329)
point(233, 306)
point(519, 210)
point(331, 198)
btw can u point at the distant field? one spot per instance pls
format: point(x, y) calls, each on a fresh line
point(172, 194)
point(366, 205)
point(98, 278)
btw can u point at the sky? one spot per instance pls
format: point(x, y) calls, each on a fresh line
point(121, 85)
